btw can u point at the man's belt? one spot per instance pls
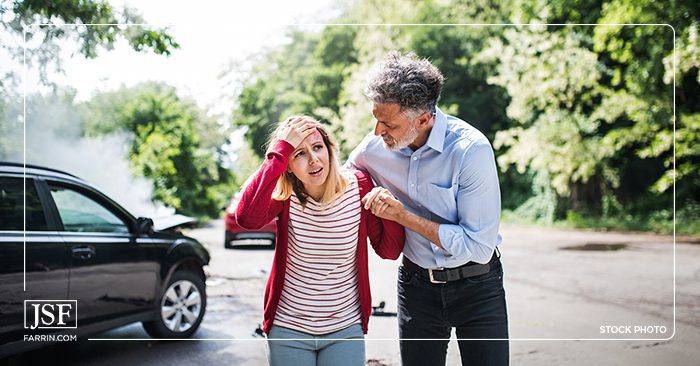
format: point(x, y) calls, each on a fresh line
point(444, 275)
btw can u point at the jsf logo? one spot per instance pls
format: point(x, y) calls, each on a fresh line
point(50, 314)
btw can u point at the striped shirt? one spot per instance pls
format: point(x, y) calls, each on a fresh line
point(320, 293)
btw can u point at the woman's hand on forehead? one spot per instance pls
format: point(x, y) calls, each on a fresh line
point(296, 129)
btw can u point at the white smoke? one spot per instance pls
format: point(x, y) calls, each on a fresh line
point(54, 139)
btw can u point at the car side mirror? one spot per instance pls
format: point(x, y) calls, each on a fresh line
point(144, 225)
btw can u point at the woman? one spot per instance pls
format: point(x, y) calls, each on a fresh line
point(318, 292)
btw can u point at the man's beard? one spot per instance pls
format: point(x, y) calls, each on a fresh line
point(406, 140)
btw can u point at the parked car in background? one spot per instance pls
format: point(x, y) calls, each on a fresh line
point(237, 236)
point(82, 246)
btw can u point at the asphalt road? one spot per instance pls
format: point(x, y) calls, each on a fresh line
point(569, 303)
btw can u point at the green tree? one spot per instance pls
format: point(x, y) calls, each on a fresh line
point(302, 77)
point(637, 59)
point(581, 116)
point(42, 24)
point(553, 83)
point(172, 142)
point(599, 115)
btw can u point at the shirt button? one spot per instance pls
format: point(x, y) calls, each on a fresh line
point(415, 158)
point(412, 185)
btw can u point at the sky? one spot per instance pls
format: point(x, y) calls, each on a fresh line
point(214, 36)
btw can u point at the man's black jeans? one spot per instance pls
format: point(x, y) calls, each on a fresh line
point(475, 306)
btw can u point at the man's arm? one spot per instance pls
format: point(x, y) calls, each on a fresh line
point(478, 204)
point(475, 236)
point(383, 205)
point(428, 229)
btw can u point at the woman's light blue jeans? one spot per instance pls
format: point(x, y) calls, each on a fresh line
point(345, 347)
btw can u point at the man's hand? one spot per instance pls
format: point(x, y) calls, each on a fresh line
point(383, 204)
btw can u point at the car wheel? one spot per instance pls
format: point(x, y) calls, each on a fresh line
point(181, 307)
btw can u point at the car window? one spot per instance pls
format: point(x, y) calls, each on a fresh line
point(80, 213)
point(12, 204)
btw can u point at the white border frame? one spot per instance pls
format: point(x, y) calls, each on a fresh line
point(24, 122)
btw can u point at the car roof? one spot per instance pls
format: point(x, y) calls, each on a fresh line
point(16, 167)
point(37, 170)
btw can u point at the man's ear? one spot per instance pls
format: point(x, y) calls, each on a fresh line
point(423, 120)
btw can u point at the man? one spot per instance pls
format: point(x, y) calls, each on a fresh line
point(443, 173)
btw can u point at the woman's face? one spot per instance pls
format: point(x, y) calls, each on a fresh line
point(310, 164)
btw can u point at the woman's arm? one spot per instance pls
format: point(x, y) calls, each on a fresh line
point(386, 236)
point(256, 206)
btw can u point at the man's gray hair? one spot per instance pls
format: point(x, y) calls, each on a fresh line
point(413, 83)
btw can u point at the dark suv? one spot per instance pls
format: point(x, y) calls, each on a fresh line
point(80, 245)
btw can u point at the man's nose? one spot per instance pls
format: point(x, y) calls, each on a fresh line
point(378, 130)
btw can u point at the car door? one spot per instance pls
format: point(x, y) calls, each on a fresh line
point(111, 274)
point(47, 271)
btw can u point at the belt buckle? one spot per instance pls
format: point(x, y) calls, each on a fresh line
point(432, 279)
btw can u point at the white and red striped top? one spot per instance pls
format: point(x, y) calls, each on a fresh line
point(320, 293)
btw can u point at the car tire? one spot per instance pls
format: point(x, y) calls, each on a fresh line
point(228, 237)
point(181, 307)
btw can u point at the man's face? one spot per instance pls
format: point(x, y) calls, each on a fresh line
point(393, 126)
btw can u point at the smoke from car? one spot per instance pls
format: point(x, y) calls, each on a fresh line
point(54, 138)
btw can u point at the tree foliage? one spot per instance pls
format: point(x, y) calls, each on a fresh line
point(43, 23)
point(172, 142)
point(582, 117)
point(303, 77)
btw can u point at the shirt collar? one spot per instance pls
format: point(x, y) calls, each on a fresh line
point(436, 140)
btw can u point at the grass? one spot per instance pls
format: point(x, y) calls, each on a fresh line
point(661, 222)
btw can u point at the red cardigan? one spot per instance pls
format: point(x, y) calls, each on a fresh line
point(256, 208)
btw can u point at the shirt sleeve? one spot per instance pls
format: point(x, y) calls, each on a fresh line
point(479, 208)
point(256, 206)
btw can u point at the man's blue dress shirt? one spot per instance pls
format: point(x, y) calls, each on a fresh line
point(451, 180)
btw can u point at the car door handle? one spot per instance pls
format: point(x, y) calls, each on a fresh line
point(83, 252)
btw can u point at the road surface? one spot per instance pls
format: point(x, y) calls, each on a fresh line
point(568, 303)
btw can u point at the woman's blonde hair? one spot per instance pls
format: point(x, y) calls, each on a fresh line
point(336, 182)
